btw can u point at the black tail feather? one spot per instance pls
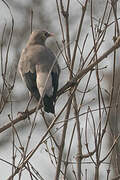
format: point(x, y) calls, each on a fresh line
point(48, 104)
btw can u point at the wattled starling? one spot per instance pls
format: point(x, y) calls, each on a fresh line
point(39, 69)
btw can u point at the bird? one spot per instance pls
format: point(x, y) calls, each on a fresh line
point(40, 70)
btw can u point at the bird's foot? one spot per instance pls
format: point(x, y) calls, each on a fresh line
point(25, 113)
point(19, 114)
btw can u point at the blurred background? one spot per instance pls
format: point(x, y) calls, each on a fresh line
point(45, 16)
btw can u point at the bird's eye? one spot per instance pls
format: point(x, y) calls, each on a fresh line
point(46, 34)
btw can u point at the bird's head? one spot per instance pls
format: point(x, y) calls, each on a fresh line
point(39, 37)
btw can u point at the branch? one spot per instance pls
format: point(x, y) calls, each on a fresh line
point(68, 85)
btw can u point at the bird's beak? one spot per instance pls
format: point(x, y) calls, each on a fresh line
point(51, 34)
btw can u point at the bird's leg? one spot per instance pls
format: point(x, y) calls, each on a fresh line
point(26, 110)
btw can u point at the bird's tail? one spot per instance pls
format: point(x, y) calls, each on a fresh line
point(48, 104)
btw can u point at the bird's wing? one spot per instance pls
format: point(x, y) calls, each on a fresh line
point(30, 80)
point(28, 73)
point(55, 79)
point(30, 56)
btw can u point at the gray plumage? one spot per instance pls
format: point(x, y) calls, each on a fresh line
point(40, 70)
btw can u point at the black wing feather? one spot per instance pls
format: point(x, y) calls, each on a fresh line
point(55, 78)
point(55, 81)
point(30, 80)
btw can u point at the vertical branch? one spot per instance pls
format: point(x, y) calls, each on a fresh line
point(2, 69)
point(115, 128)
point(1, 49)
point(62, 30)
point(99, 102)
point(62, 144)
point(78, 33)
point(68, 154)
point(79, 144)
point(114, 6)
point(31, 20)
point(10, 37)
point(65, 13)
point(13, 139)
